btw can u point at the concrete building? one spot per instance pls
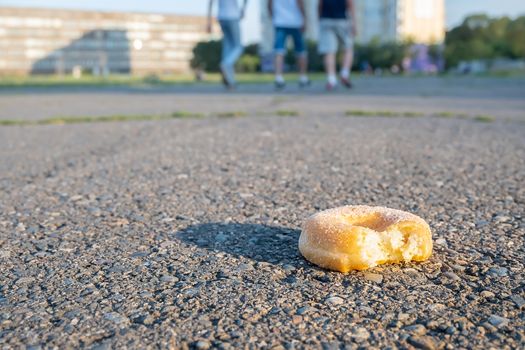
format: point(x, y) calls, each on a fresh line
point(46, 41)
point(422, 21)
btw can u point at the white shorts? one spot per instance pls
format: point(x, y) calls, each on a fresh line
point(333, 32)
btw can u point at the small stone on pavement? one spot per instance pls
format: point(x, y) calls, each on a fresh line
point(334, 301)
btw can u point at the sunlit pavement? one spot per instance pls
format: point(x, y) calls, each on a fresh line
point(502, 98)
point(182, 232)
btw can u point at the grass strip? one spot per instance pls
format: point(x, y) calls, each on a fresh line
point(451, 115)
point(363, 113)
point(185, 114)
point(484, 118)
point(233, 114)
point(12, 122)
point(61, 120)
point(287, 113)
point(445, 114)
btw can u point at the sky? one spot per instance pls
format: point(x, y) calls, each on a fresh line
point(456, 9)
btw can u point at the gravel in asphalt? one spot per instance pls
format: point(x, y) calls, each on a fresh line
point(183, 234)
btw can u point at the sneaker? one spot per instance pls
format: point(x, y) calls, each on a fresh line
point(330, 86)
point(346, 82)
point(279, 85)
point(304, 83)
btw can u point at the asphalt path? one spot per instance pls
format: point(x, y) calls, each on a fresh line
point(183, 233)
point(499, 97)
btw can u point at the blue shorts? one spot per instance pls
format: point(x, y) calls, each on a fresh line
point(281, 34)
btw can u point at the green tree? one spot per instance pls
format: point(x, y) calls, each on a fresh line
point(207, 56)
point(482, 37)
point(248, 64)
point(515, 36)
point(381, 55)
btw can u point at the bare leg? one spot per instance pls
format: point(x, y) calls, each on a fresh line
point(346, 67)
point(279, 67)
point(329, 65)
point(302, 62)
point(346, 64)
point(279, 63)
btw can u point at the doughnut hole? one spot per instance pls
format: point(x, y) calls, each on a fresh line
point(372, 222)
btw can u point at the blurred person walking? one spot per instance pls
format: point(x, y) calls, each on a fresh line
point(337, 26)
point(229, 16)
point(288, 18)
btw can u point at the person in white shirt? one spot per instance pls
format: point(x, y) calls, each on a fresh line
point(288, 18)
point(229, 17)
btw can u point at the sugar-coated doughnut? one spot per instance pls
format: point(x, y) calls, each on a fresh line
point(359, 237)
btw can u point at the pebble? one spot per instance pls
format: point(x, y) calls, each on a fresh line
point(432, 324)
point(146, 294)
point(139, 254)
point(25, 280)
point(518, 300)
point(296, 319)
point(374, 277)
point(481, 223)
point(418, 329)
point(144, 319)
point(76, 198)
point(489, 328)
point(360, 334)
point(334, 300)
point(403, 316)
point(116, 317)
point(498, 321)
point(305, 310)
point(499, 271)
point(457, 267)
point(202, 345)
point(5, 254)
point(422, 342)
point(452, 276)
point(487, 294)
point(502, 218)
point(191, 292)
point(169, 278)
point(245, 267)
point(441, 241)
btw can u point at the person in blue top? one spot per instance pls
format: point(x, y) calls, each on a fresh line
point(337, 26)
point(229, 17)
point(288, 17)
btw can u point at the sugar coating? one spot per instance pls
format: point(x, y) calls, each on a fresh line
point(392, 216)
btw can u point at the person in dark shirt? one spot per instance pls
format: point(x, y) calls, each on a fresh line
point(337, 28)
